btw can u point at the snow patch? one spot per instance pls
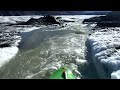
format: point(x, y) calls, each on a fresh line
point(7, 53)
point(115, 75)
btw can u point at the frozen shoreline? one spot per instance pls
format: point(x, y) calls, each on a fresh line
point(105, 50)
point(7, 53)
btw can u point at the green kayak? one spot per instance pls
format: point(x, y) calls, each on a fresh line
point(63, 73)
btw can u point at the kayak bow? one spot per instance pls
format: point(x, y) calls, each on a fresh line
point(63, 73)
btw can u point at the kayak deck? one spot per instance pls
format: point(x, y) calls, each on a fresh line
point(63, 73)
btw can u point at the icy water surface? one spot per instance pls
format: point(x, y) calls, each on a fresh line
point(44, 50)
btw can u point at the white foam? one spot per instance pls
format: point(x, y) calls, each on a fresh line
point(80, 61)
point(28, 29)
point(6, 54)
point(49, 69)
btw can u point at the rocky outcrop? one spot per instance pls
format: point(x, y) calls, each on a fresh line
point(108, 24)
point(110, 20)
point(46, 20)
point(92, 20)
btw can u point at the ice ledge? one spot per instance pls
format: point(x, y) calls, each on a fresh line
point(105, 50)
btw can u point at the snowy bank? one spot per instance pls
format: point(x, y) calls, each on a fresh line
point(14, 19)
point(115, 75)
point(105, 49)
point(6, 54)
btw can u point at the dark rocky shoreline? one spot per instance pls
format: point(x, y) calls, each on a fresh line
point(46, 20)
point(110, 20)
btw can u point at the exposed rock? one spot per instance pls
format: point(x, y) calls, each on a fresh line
point(108, 24)
point(58, 17)
point(92, 20)
point(46, 20)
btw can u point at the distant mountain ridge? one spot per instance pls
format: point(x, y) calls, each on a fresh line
point(19, 13)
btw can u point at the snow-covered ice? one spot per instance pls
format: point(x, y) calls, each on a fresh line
point(115, 75)
point(105, 45)
point(6, 54)
point(13, 19)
